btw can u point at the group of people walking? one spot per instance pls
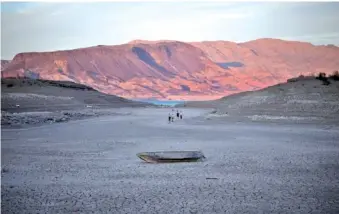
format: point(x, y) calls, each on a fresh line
point(174, 114)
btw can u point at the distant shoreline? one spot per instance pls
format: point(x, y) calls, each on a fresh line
point(161, 102)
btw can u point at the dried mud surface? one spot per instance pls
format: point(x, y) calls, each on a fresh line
point(90, 166)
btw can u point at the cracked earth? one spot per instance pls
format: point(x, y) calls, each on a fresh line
point(90, 166)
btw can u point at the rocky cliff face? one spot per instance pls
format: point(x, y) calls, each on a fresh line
point(178, 70)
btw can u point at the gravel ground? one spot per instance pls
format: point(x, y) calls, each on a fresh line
point(37, 118)
point(90, 166)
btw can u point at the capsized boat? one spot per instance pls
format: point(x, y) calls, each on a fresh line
point(171, 156)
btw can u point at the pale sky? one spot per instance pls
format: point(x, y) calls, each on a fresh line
point(27, 27)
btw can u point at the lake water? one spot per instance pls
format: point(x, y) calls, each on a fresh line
point(163, 102)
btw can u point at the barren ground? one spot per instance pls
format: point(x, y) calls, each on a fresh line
point(90, 166)
point(27, 102)
point(304, 101)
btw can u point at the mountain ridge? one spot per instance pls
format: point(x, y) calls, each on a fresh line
point(169, 69)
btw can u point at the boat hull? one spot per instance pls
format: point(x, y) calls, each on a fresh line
point(171, 156)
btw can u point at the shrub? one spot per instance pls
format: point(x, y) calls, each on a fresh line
point(335, 76)
point(322, 76)
point(296, 79)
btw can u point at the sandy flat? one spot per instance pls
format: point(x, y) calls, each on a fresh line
point(90, 166)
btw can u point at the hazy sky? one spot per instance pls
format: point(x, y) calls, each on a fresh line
point(47, 26)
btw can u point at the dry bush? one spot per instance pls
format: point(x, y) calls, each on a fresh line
point(335, 76)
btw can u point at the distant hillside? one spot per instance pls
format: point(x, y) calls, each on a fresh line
point(20, 95)
point(178, 70)
point(299, 98)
